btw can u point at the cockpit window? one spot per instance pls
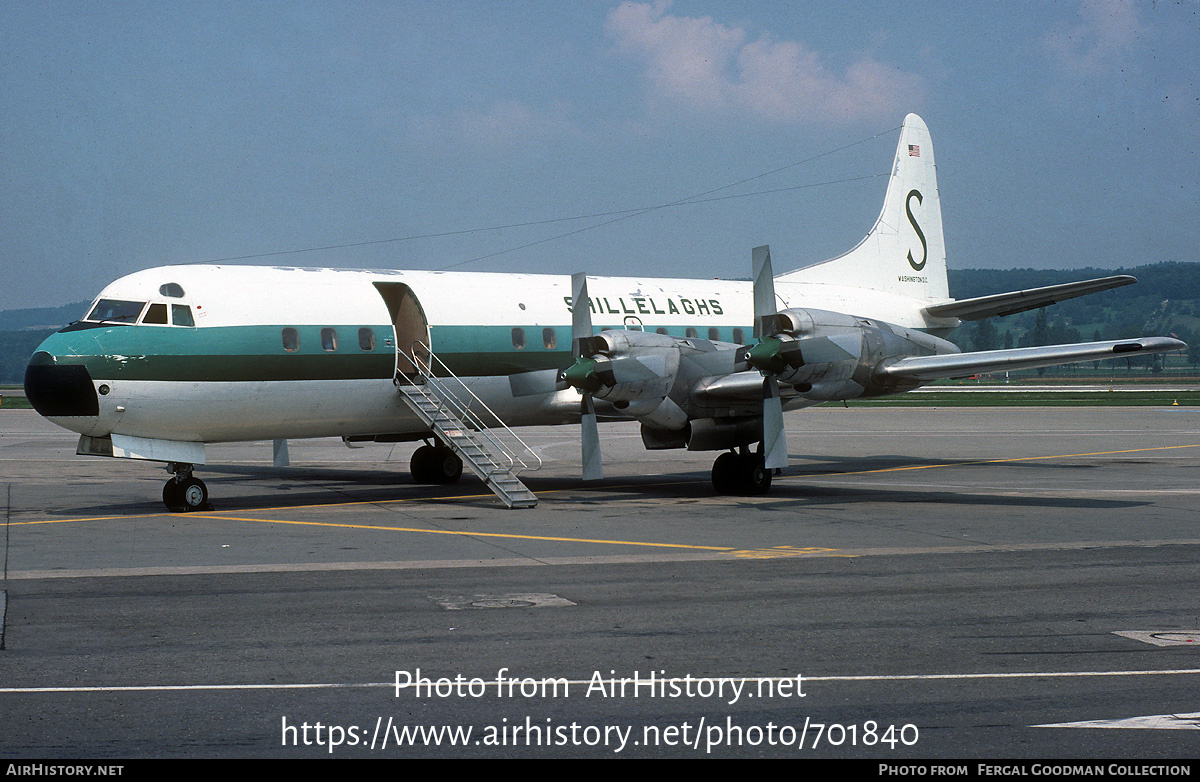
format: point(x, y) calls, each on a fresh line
point(181, 315)
point(156, 314)
point(116, 310)
point(171, 290)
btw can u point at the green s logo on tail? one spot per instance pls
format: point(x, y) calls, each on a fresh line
point(917, 228)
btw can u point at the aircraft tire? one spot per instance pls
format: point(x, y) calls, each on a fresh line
point(172, 497)
point(447, 467)
point(185, 495)
point(725, 472)
point(194, 494)
point(422, 465)
point(754, 478)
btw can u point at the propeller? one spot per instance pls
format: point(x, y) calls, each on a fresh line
point(582, 375)
point(766, 357)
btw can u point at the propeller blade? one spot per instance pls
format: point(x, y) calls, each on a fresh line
point(581, 329)
point(537, 382)
point(764, 290)
point(593, 469)
point(279, 453)
point(581, 316)
point(766, 357)
point(634, 369)
point(775, 453)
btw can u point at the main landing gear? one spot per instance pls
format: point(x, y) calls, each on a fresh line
point(742, 473)
point(435, 464)
point(184, 492)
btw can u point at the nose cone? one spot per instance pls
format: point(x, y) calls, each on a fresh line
point(59, 390)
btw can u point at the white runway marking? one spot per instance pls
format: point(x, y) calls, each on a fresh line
point(1163, 637)
point(586, 682)
point(1151, 722)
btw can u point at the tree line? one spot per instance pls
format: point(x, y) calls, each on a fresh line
point(1164, 302)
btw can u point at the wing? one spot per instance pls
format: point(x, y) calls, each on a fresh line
point(963, 364)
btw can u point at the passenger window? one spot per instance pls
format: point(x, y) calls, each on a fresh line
point(661, 330)
point(549, 339)
point(739, 336)
point(156, 314)
point(714, 334)
point(366, 339)
point(291, 339)
point(692, 333)
point(181, 315)
point(518, 338)
point(328, 339)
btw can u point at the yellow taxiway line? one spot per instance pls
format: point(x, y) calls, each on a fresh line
point(991, 461)
point(764, 553)
point(463, 533)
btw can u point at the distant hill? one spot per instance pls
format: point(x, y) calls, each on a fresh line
point(1164, 302)
point(42, 317)
point(1159, 281)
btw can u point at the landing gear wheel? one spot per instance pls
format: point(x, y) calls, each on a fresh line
point(194, 493)
point(754, 477)
point(725, 473)
point(448, 466)
point(435, 465)
point(184, 495)
point(421, 464)
point(743, 474)
point(172, 497)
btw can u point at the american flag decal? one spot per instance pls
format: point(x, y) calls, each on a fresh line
point(914, 150)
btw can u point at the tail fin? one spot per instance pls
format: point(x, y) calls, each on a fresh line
point(905, 253)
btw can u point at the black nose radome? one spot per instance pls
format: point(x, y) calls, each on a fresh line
point(59, 389)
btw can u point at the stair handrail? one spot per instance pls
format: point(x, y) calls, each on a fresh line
point(424, 360)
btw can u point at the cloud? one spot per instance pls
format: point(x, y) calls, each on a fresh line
point(1108, 32)
point(700, 63)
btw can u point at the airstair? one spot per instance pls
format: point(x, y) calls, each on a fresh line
point(460, 420)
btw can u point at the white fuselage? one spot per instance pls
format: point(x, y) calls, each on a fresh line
point(230, 376)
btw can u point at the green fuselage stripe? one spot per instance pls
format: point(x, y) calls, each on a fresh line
point(257, 353)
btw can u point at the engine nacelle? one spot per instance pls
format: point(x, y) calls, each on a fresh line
point(633, 370)
point(830, 355)
point(620, 341)
point(633, 366)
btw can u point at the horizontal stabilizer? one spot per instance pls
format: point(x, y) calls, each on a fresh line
point(985, 361)
point(1002, 304)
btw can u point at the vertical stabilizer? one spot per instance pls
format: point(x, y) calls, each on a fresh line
point(905, 253)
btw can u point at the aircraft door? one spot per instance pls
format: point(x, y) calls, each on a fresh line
point(410, 326)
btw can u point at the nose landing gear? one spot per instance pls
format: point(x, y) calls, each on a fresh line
point(184, 492)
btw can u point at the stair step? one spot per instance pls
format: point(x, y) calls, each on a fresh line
point(473, 451)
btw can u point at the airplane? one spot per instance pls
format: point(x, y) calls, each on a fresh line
point(169, 359)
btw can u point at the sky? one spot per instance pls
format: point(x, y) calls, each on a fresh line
point(534, 136)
